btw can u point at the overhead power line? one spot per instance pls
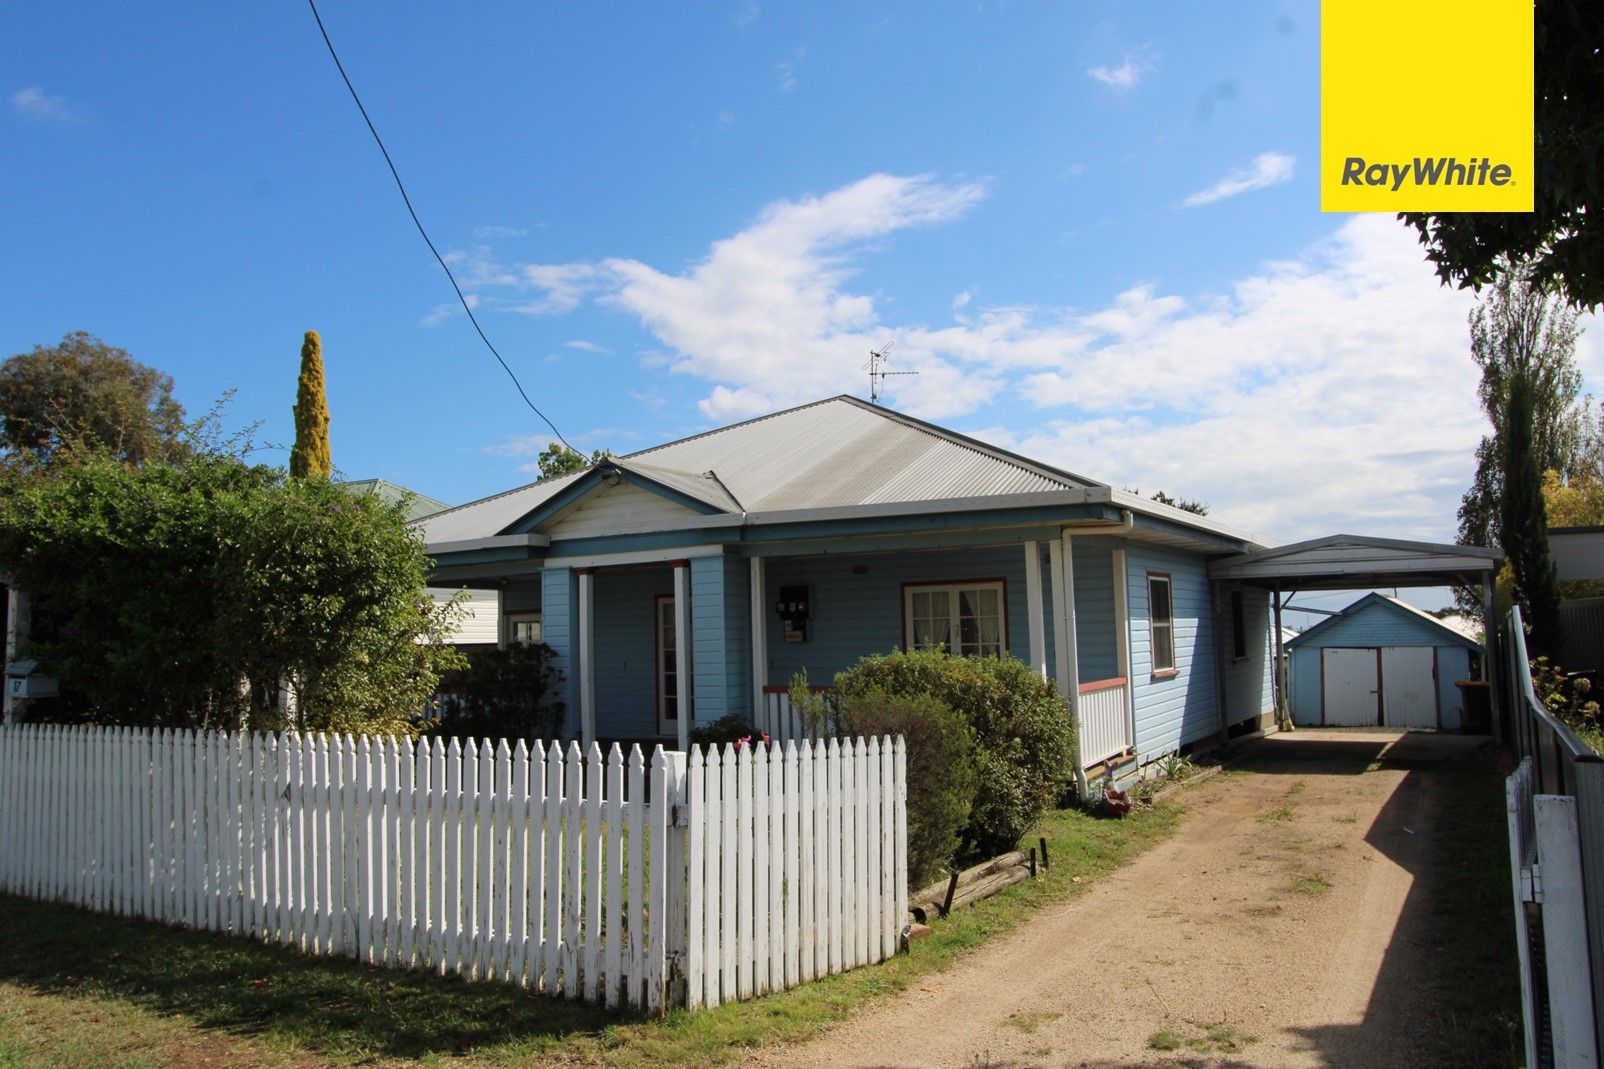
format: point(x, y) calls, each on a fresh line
point(441, 260)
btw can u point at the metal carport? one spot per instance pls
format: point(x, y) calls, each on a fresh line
point(1357, 562)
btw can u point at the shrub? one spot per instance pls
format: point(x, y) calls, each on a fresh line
point(940, 763)
point(1024, 735)
point(737, 727)
point(502, 694)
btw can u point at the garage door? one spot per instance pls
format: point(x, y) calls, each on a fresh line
point(1409, 686)
point(1351, 687)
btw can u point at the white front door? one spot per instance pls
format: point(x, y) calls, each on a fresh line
point(1351, 686)
point(667, 668)
point(1409, 686)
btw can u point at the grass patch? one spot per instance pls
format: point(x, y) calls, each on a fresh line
point(1221, 1039)
point(1164, 1039)
point(1298, 787)
point(1311, 883)
point(85, 991)
point(1473, 1024)
point(1029, 1022)
point(1281, 814)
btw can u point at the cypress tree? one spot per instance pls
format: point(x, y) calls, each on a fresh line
point(1525, 522)
point(310, 458)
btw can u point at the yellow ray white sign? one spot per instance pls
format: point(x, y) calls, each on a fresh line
point(1426, 106)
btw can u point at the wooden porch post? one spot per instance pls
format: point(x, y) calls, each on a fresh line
point(1061, 563)
point(1122, 640)
point(760, 643)
point(682, 651)
point(586, 655)
point(1033, 596)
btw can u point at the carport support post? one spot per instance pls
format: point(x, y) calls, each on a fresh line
point(1061, 566)
point(1033, 609)
point(1489, 655)
point(1278, 683)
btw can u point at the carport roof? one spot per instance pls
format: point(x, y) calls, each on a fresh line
point(1347, 562)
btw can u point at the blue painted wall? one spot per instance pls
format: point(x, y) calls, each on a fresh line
point(1377, 624)
point(723, 639)
point(626, 649)
point(859, 614)
point(559, 621)
point(1183, 708)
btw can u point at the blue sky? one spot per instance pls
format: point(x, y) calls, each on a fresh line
point(1093, 228)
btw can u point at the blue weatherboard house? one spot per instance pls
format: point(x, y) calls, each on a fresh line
point(692, 580)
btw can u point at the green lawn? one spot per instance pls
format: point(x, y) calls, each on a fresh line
point(82, 990)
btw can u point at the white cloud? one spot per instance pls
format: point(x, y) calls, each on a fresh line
point(483, 232)
point(1123, 77)
point(442, 312)
point(785, 70)
point(1329, 391)
point(34, 103)
point(1267, 169)
point(746, 14)
point(961, 300)
point(586, 346)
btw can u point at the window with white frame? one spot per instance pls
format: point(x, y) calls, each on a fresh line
point(523, 628)
point(1160, 622)
point(964, 618)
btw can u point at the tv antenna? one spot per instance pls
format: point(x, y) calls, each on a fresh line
point(876, 369)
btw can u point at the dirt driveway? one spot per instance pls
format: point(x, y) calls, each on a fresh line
point(1283, 925)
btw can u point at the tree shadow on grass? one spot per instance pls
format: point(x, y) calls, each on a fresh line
point(333, 1005)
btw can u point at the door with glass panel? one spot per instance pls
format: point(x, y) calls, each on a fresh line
point(667, 668)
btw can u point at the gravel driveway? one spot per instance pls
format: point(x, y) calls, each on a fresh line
point(1284, 925)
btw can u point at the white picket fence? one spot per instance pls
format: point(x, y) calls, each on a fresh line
point(561, 871)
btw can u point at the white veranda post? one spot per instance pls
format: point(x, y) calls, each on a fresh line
point(760, 640)
point(1033, 605)
point(682, 651)
point(587, 656)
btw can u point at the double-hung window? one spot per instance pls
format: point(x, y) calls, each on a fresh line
point(963, 618)
point(1161, 623)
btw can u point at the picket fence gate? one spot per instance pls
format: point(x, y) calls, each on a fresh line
point(689, 882)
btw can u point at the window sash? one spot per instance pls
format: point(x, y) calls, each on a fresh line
point(1161, 623)
point(966, 618)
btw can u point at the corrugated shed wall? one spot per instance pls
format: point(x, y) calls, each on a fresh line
point(1183, 708)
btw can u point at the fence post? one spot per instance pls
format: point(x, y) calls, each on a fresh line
point(1570, 1009)
point(1590, 818)
point(665, 894)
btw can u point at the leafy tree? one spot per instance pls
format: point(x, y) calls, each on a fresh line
point(1519, 328)
point(1563, 236)
point(184, 595)
point(310, 457)
point(557, 459)
point(1525, 521)
point(85, 394)
point(1181, 503)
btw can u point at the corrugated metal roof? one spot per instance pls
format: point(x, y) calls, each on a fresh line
point(832, 453)
point(492, 515)
point(843, 451)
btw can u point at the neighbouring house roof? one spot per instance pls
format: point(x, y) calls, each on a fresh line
point(839, 454)
point(418, 506)
point(1378, 602)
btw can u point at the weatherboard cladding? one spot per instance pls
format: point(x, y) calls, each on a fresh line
point(1183, 708)
point(615, 510)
